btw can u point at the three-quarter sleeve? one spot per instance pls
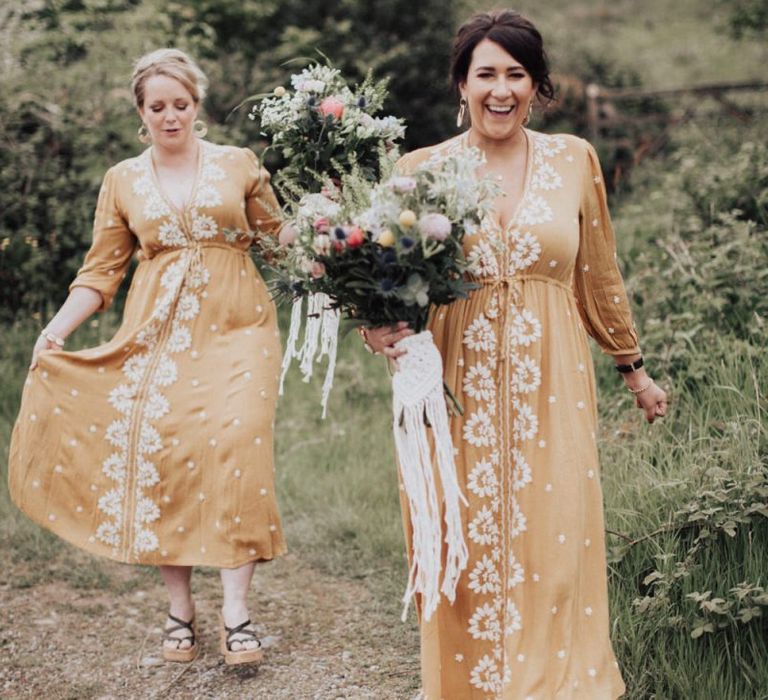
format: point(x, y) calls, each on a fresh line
point(598, 286)
point(261, 205)
point(112, 247)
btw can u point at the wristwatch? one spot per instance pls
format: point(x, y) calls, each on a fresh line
point(631, 367)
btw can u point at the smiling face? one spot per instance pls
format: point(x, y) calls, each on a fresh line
point(169, 111)
point(498, 90)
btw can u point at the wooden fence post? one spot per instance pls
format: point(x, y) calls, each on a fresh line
point(593, 113)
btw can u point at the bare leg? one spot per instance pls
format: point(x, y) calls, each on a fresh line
point(236, 583)
point(177, 581)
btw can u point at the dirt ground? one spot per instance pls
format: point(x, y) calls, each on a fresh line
point(325, 638)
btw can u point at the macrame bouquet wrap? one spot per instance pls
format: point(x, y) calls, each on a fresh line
point(375, 250)
point(427, 472)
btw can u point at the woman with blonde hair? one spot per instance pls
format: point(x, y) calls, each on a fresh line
point(156, 447)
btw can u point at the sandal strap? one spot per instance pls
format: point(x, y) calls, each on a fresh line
point(180, 625)
point(241, 629)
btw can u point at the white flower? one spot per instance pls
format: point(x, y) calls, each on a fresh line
point(483, 529)
point(204, 227)
point(147, 510)
point(111, 503)
point(435, 226)
point(526, 376)
point(114, 466)
point(526, 251)
point(311, 86)
point(180, 339)
point(143, 185)
point(166, 372)
point(157, 405)
point(548, 146)
point(188, 306)
point(480, 335)
point(109, 533)
point(482, 261)
point(117, 433)
point(147, 475)
point(401, 183)
point(121, 398)
point(322, 244)
point(518, 521)
point(484, 577)
point(485, 676)
point(145, 541)
point(208, 196)
point(484, 623)
point(516, 572)
point(149, 439)
point(521, 472)
point(524, 329)
point(513, 621)
point(482, 479)
point(172, 276)
point(546, 178)
point(479, 429)
point(155, 207)
point(170, 234)
point(479, 383)
point(213, 172)
point(526, 423)
point(535, 211)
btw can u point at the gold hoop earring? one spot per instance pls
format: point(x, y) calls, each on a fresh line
point(462, 113)
point(143, 134)
point(530, 112)
point(199, 128)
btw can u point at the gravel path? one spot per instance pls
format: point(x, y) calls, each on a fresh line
point(325, 638)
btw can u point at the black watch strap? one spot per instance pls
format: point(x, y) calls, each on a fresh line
point(631, 367)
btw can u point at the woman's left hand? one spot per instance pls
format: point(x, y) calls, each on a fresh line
point(653, 402)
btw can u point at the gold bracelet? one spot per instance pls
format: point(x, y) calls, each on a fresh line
point(51, 338)
point(364, 335)
point(642, 388)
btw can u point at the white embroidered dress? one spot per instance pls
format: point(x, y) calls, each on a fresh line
point(156, 447)
point(531, 617)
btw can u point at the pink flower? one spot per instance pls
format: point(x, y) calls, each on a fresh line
point(317, 270)
point(333, 106)
point(355, 237)
point(321, 224)
point(402, 183)
point(288, 234)
point(435, 226)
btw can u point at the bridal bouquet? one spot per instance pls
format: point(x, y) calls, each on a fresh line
point(391, 260)
point(325, 129)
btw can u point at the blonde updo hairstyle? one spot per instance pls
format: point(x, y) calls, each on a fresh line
point(172, 63)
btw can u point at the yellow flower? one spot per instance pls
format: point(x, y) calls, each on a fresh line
point(279, 91)
point(407, 218)
point(386, 238)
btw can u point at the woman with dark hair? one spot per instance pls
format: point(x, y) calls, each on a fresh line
point(530, 619)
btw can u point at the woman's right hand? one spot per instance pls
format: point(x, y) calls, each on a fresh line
point(42, 344)
point(382, 339)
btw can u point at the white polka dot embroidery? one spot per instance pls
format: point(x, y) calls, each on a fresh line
point(74, 392)
point(166, 499)
point(213, 327)
point(548, 488)
point(592, 672)
point(587, 543)
point(553, 610)
point(180, 528)
point(552, 399)
point(237, 473)
point(588, 611)
point(561, 538)
point(237, 519)
point(33, 418)
point(591, 474)
point(561, 654)
point(580, 405)
point(58, 469)
point(521, 658)
point(57, 411)
point(190, 464)
point(263, 492)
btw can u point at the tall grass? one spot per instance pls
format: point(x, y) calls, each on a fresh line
point(686, 499)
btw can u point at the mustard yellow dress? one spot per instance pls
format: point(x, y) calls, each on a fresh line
point(156, 447)
point(530, 620)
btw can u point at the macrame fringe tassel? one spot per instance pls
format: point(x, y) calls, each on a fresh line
point(321, 335)
point(417, 400)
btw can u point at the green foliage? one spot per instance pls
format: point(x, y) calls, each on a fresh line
point(700, 270)
point(59, 133)
point(747, 17)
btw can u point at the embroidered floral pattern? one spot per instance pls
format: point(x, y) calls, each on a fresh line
point(139, 401)
point(501, 470)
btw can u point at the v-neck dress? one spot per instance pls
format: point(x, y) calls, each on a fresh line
point(156, 447)
point(530, 620)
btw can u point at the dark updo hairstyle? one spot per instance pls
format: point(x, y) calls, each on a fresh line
point(515, 34)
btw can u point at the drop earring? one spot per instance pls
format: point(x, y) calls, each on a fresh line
point(143, 134)
point(462, 113)
point(530, 112)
